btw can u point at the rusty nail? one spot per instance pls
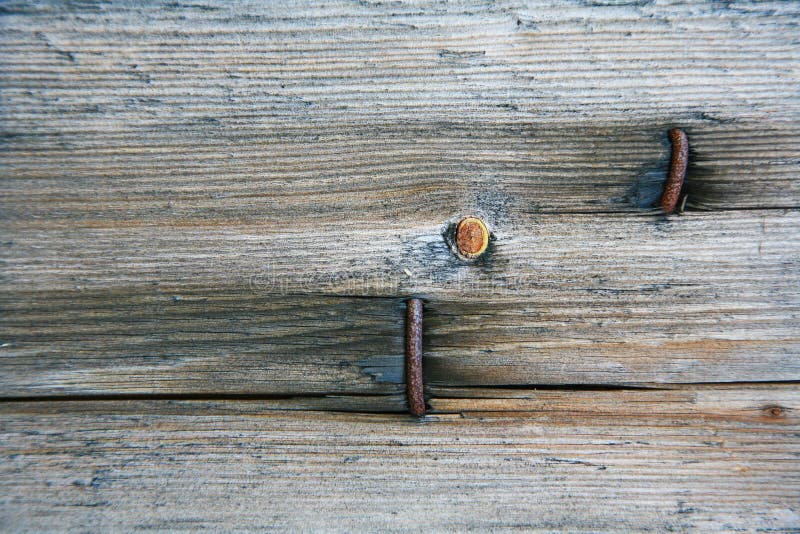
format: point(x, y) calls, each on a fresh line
point(677, 170)
point(472, 237)
point(416, 400)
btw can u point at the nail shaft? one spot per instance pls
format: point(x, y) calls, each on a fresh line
point(416, 400)
point(677, 170)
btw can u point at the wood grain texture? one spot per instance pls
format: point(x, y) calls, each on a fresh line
point(570, 299)
point(247, 151)
point(202, 343)
point(164, 113)
point(696, 460)
point(211, 212)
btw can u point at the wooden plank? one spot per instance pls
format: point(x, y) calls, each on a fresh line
point(207, 343)
point(603, 299)
point(264, 113)
point(741, 402)
point(553, 258)
point(202, 204)
point(309, 175)
point(704, 459)
point(167, 172)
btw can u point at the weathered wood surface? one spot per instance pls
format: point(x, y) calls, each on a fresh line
point(239, 111)
point(693, 460)
point(571, 299)
point(210, 342)
point(204, 205)
point(247, 151)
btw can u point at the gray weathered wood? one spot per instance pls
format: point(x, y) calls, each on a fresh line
point(257, 112)
point(203, 343)
point(205, 203)
point(570, 299)
point(694, 460)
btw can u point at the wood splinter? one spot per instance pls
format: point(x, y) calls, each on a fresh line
point(416, 400)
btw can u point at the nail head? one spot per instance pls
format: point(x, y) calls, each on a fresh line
point(472, 237)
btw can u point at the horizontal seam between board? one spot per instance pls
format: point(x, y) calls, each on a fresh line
point(269, 397)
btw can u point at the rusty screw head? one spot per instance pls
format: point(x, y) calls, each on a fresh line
point(472, 237)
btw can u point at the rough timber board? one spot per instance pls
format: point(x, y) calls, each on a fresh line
point(119, 114)
point(562, 258)
point(208, 343)
point(570, 299)
point(253, 149)
point(163, 175)
point(153, 155)
point(698, 460)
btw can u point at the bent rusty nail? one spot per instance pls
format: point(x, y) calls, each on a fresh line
point(677, 170)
